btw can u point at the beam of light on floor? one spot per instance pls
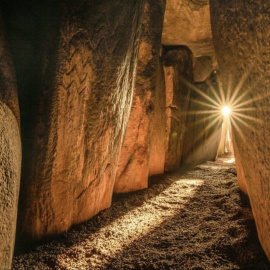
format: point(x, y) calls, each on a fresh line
point(137, 223)
point(230, 161)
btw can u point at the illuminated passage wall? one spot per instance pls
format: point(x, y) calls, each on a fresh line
point(243, 57)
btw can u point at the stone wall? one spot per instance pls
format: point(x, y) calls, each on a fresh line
point(241, 37)
point(78, 96)
point(178, 69)
point(10, 153)
point(133, 169)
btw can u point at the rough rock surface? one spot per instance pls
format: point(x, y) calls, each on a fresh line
point(198, 220)
point(242, 182)
point(157, 146)
point(241, 37)
point(87, 70)
point(178, 69)
point(203, 131)
point(187, 23)
point(202, 68)
point(133, 168)
point(10, 154)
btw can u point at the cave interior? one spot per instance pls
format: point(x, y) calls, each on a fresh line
point(98, 97)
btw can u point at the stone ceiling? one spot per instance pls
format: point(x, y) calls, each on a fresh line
point(187, 22)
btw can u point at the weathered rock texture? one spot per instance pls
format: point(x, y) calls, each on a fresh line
point(241, 37)
point(187, 23)
point(203, 132)
point(87, 65)
point(240, 173)
point(10, 154)
point(133, 169)
point(158, 126)
point(202, 68)
point(178, 69)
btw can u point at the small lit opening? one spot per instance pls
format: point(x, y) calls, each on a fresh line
point(226, 110)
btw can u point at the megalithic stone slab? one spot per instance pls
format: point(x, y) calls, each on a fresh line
point(88, 74)
point(133, 168)
point(241, 38)
point(10, 154)
point(178, 70)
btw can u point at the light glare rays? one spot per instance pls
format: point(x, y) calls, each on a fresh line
point(237, 104)
point(221, 91)
point(251, 100)
point(199, 91)
point(249, 109)
point(240, 116)
point(204, 104)
point(201, 112)
point(253, 85)
point(238, 130)
point(229, 89)
point(244, 123)
point(240, 84)
point(208, 127)
point(213, 90)
point(206, 118)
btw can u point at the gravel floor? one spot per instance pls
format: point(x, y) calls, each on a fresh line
point(196, 220)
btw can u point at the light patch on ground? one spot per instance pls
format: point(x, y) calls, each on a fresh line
point(137, 223)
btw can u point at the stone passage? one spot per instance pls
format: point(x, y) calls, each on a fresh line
point(195, 220)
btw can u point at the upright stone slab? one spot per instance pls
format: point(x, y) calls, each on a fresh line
point(178, 70)
point(241, 39)
point(157, 130)
point(133, 168)
point(10, 153)
point(87, 70)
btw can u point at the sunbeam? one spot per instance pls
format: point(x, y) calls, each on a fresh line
point(239, 86)
point(238, 130)
point(205, 104)
point(210, 125)
point(213, 90)
point(206, 118)
point(221, 91)
point(249, 109)
point(199, 91)
point(243, 122)
point(232, 103)
point(201, 112)
point(241, 115)
point(229, 89)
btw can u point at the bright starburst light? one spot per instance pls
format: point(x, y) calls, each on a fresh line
point(226, 110)
point(236, 105)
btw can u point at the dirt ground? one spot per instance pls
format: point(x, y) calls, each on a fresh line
point(196, 220)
